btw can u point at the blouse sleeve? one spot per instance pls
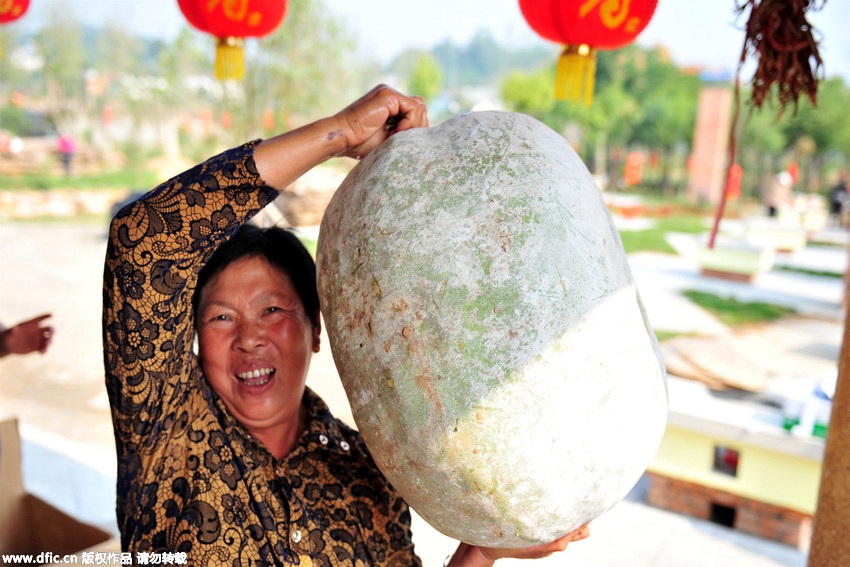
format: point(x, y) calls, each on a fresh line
point(156, 248)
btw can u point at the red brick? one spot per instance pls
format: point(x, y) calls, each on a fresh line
point(785, 525)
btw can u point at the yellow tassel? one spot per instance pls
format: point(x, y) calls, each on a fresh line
point(576, 74)
point(229, 59)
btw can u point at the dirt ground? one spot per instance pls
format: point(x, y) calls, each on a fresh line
point(55, 269)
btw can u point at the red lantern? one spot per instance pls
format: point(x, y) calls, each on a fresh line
point(11, 10)
point(584, 26)
point(231, 21)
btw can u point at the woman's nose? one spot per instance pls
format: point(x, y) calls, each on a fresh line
point(250, 336)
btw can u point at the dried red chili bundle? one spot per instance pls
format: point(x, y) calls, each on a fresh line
point(782, 40)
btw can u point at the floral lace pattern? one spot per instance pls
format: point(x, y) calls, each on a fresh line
point(190, 477)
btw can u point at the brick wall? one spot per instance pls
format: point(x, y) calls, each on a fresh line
point(759, 518)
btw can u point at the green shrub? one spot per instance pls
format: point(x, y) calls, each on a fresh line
point(733, 312)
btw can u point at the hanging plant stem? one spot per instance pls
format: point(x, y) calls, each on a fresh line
point(782, 40)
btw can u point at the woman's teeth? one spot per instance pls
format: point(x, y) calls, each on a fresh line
point(256, 377)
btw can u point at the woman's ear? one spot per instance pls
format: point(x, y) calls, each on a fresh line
point(317, 337)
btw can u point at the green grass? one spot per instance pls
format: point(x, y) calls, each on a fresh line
point(667, 335)
point(652, 239)
point(735, 313)
point(810, 272)
point(117, 179)
point(86, 219)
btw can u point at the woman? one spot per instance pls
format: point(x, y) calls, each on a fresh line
point(226, 455)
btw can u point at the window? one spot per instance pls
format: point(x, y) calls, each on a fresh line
point(726, 460)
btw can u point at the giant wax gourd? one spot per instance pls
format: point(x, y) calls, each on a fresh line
point(487, 330)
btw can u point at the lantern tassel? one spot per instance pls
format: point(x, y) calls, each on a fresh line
point(576, 74)
point(229, 59)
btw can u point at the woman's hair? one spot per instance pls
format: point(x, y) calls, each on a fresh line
point(281, 249)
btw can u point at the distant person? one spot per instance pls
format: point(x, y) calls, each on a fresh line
point(778, 195)
point(26, 337)
point(838, 198)
point(67, 149)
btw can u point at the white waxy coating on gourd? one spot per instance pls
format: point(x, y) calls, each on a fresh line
point(487, 330)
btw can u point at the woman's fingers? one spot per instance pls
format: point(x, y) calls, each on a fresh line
point(383, 111)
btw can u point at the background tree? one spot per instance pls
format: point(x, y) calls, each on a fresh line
point(426, 78)
point(668, 99)
point(11, 72)
point(824, 131)
point(761, 145)
point(120, 54)
point(300, 71)
point(15, 74)
point(185, 66)
point(60, 44)
point(529, 93)
point(483, 62)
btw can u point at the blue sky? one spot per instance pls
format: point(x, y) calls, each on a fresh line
point(697, 32)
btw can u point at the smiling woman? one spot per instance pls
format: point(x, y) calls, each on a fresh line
point(227, 455)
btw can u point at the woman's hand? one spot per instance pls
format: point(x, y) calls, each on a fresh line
point(474, 556)
point(376, 116)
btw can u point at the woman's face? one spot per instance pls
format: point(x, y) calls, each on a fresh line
point(255, 342)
